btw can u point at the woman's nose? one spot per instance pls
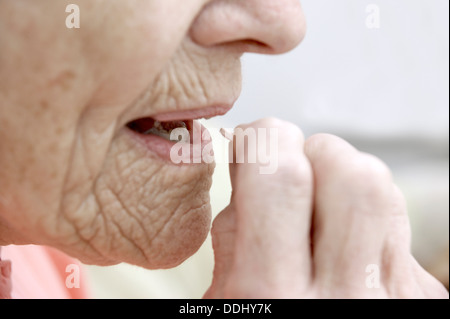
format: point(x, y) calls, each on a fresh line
point(262, 26)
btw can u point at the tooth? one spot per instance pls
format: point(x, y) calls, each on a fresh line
point(158, 132)
point(158, 125)
point(159, 129)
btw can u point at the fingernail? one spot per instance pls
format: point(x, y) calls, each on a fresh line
point(227, 134)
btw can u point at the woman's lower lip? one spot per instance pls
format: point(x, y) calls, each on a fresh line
point(198, 151)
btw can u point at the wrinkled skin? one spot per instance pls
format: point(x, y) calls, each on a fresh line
point(70, 174)
point(72, 177)
point(347, 225)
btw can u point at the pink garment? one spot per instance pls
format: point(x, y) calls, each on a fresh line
point(38, 272)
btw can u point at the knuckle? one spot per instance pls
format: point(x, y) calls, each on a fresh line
point(329, 155)
point(295, 172)
point(270, 122)
point(321, 138)
point(285, 129)
point(317, 145)
point(372, 167)
point(356, 173)
point(368, 175)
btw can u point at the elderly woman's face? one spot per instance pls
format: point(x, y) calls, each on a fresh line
point(72, 172)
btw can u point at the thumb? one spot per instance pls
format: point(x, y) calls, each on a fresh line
point(222, 233)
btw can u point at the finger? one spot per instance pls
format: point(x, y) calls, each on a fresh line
point(273, 212)
point(222, 233)
point(399, 265)
point(352, 209)
point(402, 271)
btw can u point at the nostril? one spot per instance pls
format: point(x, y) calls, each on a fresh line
point(258, 26)
point(249, 45)
point(255, 46)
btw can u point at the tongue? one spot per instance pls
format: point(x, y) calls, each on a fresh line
point(168, 126)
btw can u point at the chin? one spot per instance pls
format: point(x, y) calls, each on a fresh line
point(181, 239)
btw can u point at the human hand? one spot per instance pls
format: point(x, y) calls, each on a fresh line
point(330, 223)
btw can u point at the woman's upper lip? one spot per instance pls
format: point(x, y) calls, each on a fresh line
point(193, 114)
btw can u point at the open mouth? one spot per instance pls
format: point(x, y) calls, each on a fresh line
point(177, 135)
point(150, 126)
point(177, 141)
